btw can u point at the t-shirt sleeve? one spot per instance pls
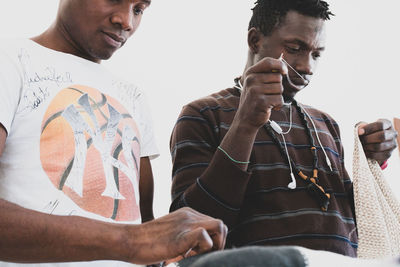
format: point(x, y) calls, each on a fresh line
point(10, 89)
point(148, 147)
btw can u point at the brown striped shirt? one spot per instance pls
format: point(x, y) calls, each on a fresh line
point(256, 204)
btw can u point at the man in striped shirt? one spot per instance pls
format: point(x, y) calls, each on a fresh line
point(271, 168)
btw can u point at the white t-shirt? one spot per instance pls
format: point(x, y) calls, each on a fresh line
point(75, 136)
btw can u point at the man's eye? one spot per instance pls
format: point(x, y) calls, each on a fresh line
point(293, 49)
point(138, 11)
point(316, 55)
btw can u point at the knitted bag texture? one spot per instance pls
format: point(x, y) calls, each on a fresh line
point(377, 209)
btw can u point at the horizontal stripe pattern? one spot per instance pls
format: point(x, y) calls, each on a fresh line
point(269, 212)
point(305, 236)
point(294, 213)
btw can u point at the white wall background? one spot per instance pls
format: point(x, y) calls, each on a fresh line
point(187, 49)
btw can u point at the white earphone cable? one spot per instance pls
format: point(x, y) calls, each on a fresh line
point(328, 162)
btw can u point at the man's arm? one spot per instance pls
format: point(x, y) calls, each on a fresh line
point(29, 236)
point(146, 190)
point(213, 180)
point(195, 160)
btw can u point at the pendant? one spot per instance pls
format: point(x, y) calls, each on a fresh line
point(316, 190)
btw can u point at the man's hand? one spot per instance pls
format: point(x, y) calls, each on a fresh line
point(262, 91)
point(378, 139)
point(184, 232)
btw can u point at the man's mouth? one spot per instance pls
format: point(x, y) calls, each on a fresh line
point(113, 39)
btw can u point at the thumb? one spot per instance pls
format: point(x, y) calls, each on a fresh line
point(361, 126)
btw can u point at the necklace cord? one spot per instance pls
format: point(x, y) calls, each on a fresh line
point(313, 187)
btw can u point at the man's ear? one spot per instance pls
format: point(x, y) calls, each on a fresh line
point(254, 37)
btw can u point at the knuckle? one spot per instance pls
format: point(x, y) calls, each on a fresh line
point(282, 65)
point(279, 78)
point(186, 210)
point(220, 225)
point(249, 79)
point(377, 147)
point(267, 60)
point(203, 233)
point(187, 213)
point(382, 136)
point(225, 229)
point(385, 135)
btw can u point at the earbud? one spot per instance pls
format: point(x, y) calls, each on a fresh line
point(292, 184)
point(278, 129)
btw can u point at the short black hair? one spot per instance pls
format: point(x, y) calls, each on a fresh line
point(267, 14)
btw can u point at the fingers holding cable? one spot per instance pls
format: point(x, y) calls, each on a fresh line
point(268, 65)
point(257, 101)
point(262, 92)
point(262, 78)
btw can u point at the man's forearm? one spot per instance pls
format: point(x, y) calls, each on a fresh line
point(237, 146)
point(30, 236)
point(146, 189)
point(238, 143)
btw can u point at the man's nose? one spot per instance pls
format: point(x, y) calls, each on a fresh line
point(305, 64)
point(124, 17)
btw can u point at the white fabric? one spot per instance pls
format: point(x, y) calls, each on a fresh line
point(68, 116)
point(377, 209)
point(318, 258)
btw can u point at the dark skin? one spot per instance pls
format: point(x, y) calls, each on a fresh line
point(265, 88)
point(378, 139)
point(146, 190)
point(97, 30)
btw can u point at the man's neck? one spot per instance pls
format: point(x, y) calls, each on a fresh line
point(56, 38)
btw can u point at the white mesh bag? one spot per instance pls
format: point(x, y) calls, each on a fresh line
point(377, 209)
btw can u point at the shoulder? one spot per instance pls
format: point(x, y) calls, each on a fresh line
point(17, 54)
point(319, 115)
point(10, 50)
point(323, 121)
point(14, 47)
point(224, 100)
point(10, 44)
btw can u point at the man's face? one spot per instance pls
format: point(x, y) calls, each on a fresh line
point(97, 28)
point(301, 40)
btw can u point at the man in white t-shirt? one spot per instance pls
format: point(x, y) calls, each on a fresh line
point(74, 141)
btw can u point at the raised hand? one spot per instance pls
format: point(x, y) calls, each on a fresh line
point(378, 139)
point(262, 92)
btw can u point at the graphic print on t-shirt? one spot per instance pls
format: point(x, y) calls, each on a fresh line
point(89, 148)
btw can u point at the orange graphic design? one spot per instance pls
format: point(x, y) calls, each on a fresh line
point(89, 148)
